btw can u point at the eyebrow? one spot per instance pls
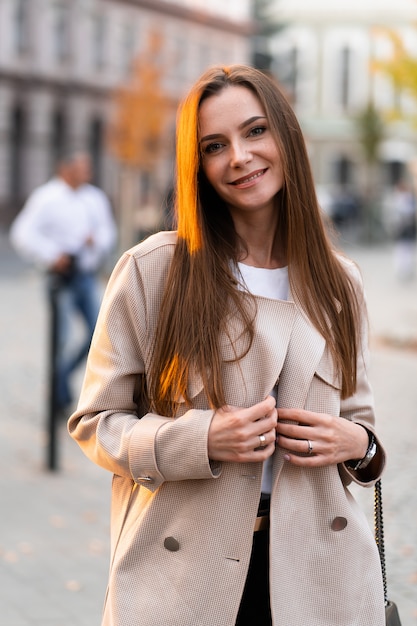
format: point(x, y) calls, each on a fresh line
point(241, 126)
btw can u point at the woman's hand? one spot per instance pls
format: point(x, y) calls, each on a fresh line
point(326, 440)
point(243, 435)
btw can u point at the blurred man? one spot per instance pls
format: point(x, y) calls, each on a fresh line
point(66, 226)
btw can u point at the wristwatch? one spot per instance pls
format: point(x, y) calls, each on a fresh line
point(360, 464)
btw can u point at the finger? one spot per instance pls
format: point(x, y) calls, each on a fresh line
point(265, 408)
point(267, 405)
point(305, 453)
point(302, 447)
point(264, 440)
point(300, 416)
point(294, 431)
point(304, 461)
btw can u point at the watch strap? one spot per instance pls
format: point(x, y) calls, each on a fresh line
point(360, 464)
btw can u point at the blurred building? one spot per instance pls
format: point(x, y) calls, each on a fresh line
point(323, 57)
point(61, 59)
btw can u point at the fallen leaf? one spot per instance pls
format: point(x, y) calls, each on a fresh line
point(11, 557)
point(73, 585)
point(57, 521)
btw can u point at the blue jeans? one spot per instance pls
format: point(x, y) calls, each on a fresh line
point(73, 297)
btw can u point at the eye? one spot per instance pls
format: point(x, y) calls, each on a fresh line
point(257, 130)
point(211, 148)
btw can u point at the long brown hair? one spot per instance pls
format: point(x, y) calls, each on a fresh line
point(201, 291)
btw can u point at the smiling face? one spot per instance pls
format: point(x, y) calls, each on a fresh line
point(239, 155)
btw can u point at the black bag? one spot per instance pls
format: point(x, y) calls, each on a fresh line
point(392, 617)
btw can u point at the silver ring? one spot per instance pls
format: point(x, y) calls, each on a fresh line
point(262, 440)
point(310, 446)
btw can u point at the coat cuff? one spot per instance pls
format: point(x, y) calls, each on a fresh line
point(368, 476)
point(164, 449)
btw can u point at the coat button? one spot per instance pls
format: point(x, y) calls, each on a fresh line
point(171, 544)
point(144, 479)
point(339, 523)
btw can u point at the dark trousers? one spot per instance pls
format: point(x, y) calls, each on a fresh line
point(74, 295)
point(255, 607)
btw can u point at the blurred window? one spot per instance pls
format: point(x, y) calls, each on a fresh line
point(99, 28)
point(128, 45)
point(146, 187)
point(345, 61)
point(61, 32)
point(286, 69)
point(96, 148)
point(344, 169)
point(17, 139)
point(58, 135)
point(180, 57)
point(21, 26)
point(396, 171)
point(205, 56)
point(293, 73)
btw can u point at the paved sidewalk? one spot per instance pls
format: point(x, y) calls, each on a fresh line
point(54, 527)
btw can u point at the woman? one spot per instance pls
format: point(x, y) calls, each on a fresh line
point(227, 391)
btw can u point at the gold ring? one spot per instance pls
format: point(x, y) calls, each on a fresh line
point(262, 440)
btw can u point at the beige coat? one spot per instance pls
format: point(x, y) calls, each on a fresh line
point(182, 526)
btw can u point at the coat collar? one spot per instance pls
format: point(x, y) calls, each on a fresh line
point(285, 342)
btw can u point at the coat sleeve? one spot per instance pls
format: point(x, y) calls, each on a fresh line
point(109, 424)
point(359, 407)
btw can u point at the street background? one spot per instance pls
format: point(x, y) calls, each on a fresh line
point(54, 526)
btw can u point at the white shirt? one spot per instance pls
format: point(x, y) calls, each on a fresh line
point(268, 284)
point(57, 219)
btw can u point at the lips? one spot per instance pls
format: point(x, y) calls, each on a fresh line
point(244, 180)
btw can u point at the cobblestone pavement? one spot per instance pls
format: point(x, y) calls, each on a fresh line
point(54, 526)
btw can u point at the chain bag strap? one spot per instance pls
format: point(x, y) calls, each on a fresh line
point(392, 617)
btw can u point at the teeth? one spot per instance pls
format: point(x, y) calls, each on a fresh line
point(247, 180)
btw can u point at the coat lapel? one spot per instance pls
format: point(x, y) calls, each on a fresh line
point(258, 372)
point(305, 351)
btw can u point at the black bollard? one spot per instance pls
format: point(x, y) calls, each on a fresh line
point(54, 286)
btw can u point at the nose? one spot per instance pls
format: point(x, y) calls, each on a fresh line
point(239, 154)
